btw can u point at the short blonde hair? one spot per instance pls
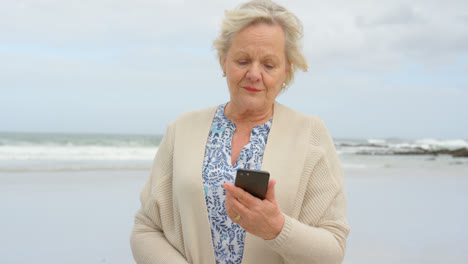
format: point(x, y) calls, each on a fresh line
point(264, 11)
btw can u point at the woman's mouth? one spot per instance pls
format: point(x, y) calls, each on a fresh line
point(252, 89)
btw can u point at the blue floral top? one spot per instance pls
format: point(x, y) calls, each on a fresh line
point(228, 237)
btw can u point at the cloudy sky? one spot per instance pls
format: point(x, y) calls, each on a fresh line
point(377, 68)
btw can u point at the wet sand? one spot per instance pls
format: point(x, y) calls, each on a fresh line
point(407, 216)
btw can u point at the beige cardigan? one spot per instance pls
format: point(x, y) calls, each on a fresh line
point(172, 225)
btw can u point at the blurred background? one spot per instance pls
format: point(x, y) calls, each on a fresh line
point(87, 89)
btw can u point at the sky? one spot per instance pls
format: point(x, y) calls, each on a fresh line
point(377, 69)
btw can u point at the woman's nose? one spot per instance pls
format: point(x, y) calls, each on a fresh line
point(253, 73)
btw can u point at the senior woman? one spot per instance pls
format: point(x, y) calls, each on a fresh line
point(192, 213)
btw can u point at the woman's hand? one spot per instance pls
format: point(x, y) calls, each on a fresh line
point(262, 218)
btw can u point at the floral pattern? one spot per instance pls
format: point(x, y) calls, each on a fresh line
point(228, 237)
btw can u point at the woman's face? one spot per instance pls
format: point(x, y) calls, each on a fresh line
point(255, 66)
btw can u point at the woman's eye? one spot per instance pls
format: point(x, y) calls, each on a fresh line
point(242, 62)
point(269, 66)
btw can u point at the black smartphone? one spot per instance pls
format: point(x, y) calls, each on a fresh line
point(253, 181)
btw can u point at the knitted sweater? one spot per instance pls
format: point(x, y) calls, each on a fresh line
point(172, 224)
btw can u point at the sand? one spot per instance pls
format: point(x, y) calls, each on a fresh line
point(407, 216)
point(396, 215)
point(68, 217)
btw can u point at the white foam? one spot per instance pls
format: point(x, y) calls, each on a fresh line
point(377, 141)
point(433, 144)
point(57, 152)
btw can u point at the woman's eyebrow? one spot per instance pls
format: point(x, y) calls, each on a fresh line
point(241, 54)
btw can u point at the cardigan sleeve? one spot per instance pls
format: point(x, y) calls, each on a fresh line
point(152, 240)
point(309, 239)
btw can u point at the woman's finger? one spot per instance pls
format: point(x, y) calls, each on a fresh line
point(228, 205)
point(270, 194)
point(241, 195)
point(239, 207)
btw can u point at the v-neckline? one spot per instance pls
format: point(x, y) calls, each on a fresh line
point(243, 150)
point(230, 123)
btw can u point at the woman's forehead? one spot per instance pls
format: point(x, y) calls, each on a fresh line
point(263, 39)
point(260, 33)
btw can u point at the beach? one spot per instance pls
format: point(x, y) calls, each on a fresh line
point(68, 217)
point(77, 204)
point(407, 215)
point(396, 216)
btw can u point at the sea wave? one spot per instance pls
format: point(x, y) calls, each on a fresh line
point(51, 152)
point(77, 140)
point(456, 148)
point(60, 147)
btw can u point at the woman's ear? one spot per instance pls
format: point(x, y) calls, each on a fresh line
point(223, 65)
point(288, 67)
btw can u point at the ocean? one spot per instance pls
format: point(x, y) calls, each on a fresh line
point(21, 152)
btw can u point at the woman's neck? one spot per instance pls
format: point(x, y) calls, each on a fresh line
point(242, 117)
